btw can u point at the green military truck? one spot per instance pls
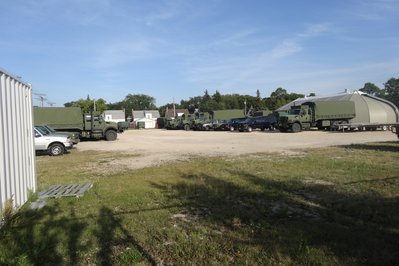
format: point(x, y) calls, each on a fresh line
point(194, 121)
point(321, 114)
point(72, 119)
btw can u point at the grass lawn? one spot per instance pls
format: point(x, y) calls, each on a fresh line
point(332, 206)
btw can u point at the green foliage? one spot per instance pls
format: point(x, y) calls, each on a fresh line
point(135, 102)
point(391, 90)
point(371, 88)
point(130, 257)
point(280, 97)
point(87, 105)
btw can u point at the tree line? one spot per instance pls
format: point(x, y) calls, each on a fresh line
point(217, 101)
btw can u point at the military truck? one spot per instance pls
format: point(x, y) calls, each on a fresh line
point(322, 114)
point(72, 119)
point(173, 123)
point(200, 121)
point(192, 121)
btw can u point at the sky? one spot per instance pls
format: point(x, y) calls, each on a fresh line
point(176, 49)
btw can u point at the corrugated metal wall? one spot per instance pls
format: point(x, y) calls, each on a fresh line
point(17, 154)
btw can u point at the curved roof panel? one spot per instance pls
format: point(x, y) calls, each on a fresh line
point(369, 109)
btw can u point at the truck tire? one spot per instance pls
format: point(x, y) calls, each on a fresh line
point(296, 127)
point(186, 127)
point(56, 149)
point(110, 135)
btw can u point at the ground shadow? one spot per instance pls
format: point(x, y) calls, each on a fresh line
point(31, 237)
point(292, 218)
point(111, 233)
point(51, 236)
point(389, 146)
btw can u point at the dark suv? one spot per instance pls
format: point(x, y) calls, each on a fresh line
point(258, 122)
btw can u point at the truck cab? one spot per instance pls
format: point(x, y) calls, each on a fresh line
point(297, 118)
point(96, 127)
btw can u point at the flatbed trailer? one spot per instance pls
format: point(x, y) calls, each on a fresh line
point(363, 126)
point(395, 129)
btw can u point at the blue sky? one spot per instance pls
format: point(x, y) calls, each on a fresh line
point(175, 49)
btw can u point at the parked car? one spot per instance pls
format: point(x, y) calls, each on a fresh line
point(257, 122)
point(231, 124)
point(54, 145)
point(49, 130)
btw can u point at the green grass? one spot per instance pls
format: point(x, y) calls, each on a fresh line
point(332, 206)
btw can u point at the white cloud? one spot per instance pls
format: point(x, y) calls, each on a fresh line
point(165, 10)
point(376, 9)
point(286, 48)
point(118, 53)
point(253, 67)
point(314, 30)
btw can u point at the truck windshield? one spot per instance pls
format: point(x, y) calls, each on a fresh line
point(43, 132)
point(295, 112)
point(50, 129)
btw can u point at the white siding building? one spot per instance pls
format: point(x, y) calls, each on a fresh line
point(114, 116)
point(17, 154)
point(146, 117)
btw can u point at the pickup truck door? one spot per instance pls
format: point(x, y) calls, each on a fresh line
point(40, 142)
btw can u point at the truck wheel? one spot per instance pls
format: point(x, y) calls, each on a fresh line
point(110, 135)
point(56, 149)
point(186, 127)
point(296, 127)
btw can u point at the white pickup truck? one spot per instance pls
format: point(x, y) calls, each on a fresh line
point(54, 145)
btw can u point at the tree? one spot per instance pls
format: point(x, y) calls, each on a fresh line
point(280, 97)
point(258, 94)
point(88, 104)
point(217, 97)
point(391, 91)
point(371, 89)
point(206, 97)
point(135, 102)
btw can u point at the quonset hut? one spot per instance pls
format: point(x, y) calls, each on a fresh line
point(371, 111)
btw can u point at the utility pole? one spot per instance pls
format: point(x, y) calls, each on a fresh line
point(41, 97)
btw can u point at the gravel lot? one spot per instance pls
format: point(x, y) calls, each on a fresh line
point(156, 146)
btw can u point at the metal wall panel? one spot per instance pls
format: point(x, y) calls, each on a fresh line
point(17, 154)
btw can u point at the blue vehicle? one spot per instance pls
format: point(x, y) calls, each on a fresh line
point(258, 122)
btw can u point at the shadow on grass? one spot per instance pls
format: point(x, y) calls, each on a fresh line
point(310, 223)
point(51, 236)
point(389, 146)
point(110, 224)
point(35, 242)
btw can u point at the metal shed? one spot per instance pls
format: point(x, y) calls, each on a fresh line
point(369, 109)
point(17, 154)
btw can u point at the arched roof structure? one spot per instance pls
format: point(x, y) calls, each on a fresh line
point(369, 108)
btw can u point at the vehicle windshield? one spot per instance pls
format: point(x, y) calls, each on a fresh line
point(42, 131)
point(295, 112)
point(50, 129)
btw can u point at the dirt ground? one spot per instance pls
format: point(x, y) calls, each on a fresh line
point(156, 146)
